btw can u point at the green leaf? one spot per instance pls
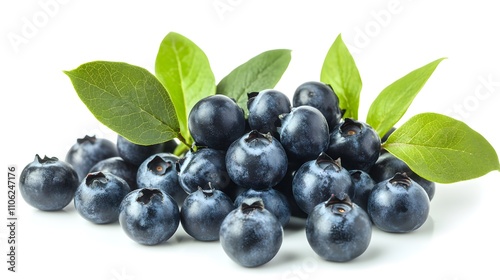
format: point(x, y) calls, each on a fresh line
point(261, 72)
point(442, 149)
point(341, 73)
point(128, 99)
point(391, 104)
point(184, 70)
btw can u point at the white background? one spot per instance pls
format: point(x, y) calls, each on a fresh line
point(41, 113)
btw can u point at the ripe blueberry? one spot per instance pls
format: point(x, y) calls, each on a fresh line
point(48, 184)
point(251, 235)
point(256, 161)
point(149, 216)
point(264, 108)
point(216, 121)
point(99, 195)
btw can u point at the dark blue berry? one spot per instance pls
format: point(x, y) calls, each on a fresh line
point(99, 195)
point(216, 121)
point(338, 230)
point(320, 96)
point(264, 108)
point(203, 211)
point(256, 161)
point(87, 152)
point(275, 202)
point(136, 154)
point(118, 167)
point(316, 180)
point(388, 165)
point(160, 171)
point(250, 235)
point(202, 167)
point(149, 216)
point(48, 184)
point(362, 185)
point(304, 133)
point(356, 143)
point(398, 204)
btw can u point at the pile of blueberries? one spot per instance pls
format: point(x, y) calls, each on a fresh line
point(244, 179)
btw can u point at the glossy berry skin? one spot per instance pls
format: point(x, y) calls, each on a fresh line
point(201, 167)
point(362, 185)
point(118, 167)
point(256, 161)
point(264, 108)
point(216, 121)
point(99, 195)
point(203, 211)
point(135, 154)
point(398, 204)
point(320, 96)
point(275, 202)
point(338, 230)
point(356, 143)
point(149, 216)
point(48, 184)
point(388, 165)
point(87, 152)
point(250, 235)
point(304, 133)
point(160, 171)
point(316, 180)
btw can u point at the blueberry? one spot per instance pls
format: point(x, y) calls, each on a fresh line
point(87, 152)
point(398, 204)
point(256, 161)
point(388, 165)
point(250, 235)
point(159, 171)
point(48, 184)
point(304, 133)
point(320, 96)
point(99, 195)
point(275, 202)
point(264, 108)
point(362, 185)
point(338, 230)
point(203, 211)
point(316, 180)
point(356, 143)
point(149, 216)
point(136, 154)
point(285, 188)
point(119, 167)
point(216, 121)
point(201, 167)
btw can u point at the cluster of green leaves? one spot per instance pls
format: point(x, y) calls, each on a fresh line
point(148, 109)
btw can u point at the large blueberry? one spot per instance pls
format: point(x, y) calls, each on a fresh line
point(48, 184)
point(87, 152)
point(356, 143)
point(320, 96)
point(256, 161)
point(203, 211)
point(99, 195)
point(250, 235)
point(264, 108)
point(304, 133)
point(216, 121)
point(338, 230)
point(398, 204)
point(149, 216)
point(159, 171)
point(316, 180)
